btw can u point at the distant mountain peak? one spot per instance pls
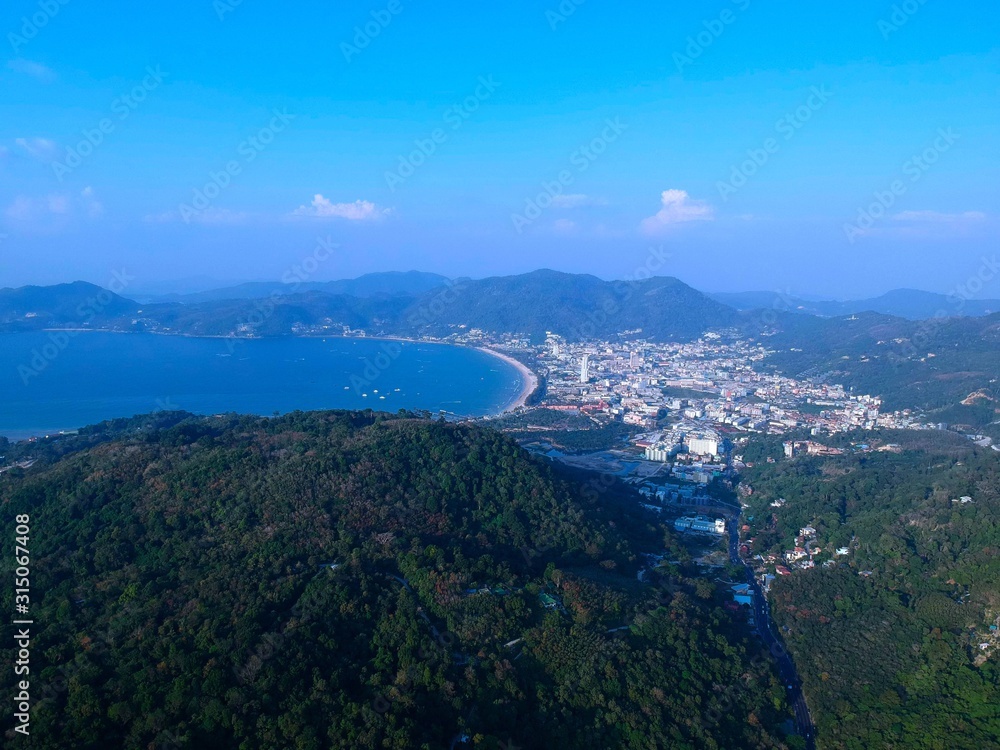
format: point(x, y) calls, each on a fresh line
point(74, 303)
point(912, 304)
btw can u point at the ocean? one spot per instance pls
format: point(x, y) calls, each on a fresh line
point(52, 381)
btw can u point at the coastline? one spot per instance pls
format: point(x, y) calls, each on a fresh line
point(530, 379)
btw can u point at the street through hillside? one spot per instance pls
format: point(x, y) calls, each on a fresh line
point(786, 667)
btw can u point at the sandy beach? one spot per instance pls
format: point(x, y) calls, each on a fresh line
point(530, 379)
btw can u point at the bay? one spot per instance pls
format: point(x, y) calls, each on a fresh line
point(98, 376)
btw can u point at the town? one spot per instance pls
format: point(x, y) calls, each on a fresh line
point(687, 412)
point(709, 388)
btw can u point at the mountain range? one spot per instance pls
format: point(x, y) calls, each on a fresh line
point(575, 306)
point(945, 365)
point(390, 283)
point(912, 304)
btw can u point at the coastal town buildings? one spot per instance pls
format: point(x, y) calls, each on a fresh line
point(699, 394)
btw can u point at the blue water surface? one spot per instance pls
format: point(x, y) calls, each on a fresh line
point(51, 381)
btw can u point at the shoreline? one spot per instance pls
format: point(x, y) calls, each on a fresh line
point(530, 378)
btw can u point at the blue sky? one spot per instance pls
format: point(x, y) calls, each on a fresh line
point(843, 149)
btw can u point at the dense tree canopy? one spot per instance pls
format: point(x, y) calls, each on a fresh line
point(358, 580)
point(887, 638)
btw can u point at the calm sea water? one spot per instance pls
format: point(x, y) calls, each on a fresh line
point(97, 376)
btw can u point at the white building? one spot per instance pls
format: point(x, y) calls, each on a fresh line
point(702, 524)
point(661, 453)
point(703, 446)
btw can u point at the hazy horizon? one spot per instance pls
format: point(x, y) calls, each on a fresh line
point(757, 154)
point(195, 285)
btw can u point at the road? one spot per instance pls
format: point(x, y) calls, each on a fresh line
point(786, 667)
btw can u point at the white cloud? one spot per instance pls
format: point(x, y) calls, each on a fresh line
point(927, 225)
point(91, 205)
point(54, 210)
point(221, 216)
point(677, 208)
point(20, 210)
point(58, 204)
point(33, 69)
point(211, 216)
point(564, 226)
point(576, 200)
point(938, 217)
point(42, 149)
point(323, 208)
point(28, 210)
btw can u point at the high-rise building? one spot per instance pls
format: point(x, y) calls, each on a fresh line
point(585, 369)
point(703, 446)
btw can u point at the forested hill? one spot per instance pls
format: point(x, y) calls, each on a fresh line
point(948, 366)
point(576, 306)
point(29, 308)
point(888, 636)
point(912, 304)
point(360, 581)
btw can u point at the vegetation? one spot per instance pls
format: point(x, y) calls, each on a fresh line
point(575, 306)
point(360, 580)
point(571, 432)
point(947, 367)
point(887, 637)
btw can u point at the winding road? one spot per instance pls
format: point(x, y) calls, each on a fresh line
point(786, 667)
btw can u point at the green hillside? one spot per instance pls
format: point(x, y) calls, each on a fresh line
point(349, 580)
point(887, 637)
